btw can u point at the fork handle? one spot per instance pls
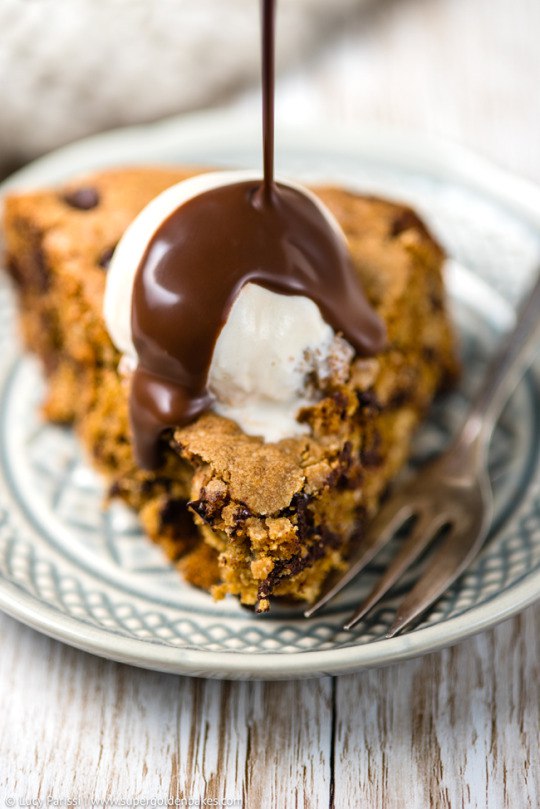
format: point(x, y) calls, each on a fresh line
point(504, 371)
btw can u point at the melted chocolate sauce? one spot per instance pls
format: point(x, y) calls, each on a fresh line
point(199, 260)
point(268, 49)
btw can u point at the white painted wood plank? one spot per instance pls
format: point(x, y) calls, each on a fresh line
point(79, 727)
point(460, 728)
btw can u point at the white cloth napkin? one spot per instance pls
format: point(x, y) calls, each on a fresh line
point(72, 67)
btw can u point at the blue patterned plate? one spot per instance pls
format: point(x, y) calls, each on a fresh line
point(89, 577)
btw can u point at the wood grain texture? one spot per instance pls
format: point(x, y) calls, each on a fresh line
point(456, 729)
point(75, 726)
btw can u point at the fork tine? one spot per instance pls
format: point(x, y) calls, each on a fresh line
point(389, 519)
point(450, 560)
point(422, 534)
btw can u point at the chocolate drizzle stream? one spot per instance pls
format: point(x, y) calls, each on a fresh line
point(200, 258)
point(268, 47)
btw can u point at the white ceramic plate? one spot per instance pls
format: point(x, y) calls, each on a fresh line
point(90, 578)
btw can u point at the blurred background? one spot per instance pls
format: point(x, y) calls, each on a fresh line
point(468, 70)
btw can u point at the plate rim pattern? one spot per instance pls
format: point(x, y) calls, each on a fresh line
point(408, 150)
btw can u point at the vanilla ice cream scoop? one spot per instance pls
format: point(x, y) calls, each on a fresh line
point(269, 347)
point(269, 352)
point(211, 248)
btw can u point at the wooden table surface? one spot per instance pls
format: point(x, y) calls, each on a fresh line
point(459, 728)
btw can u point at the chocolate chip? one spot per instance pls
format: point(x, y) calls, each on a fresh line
point(210, 504)
point(42, 275)
point(83, 199)
point(150, 486)
point(242, 514)
point(286, 568)
point(368, 401)
point(329, 539)
point(345, 455)
point(430, 354)
point(406, 220)
point(173, 509)
point(348, 474)
point(370, 454)
point(105, 258)
point(400, 398)
point(341, 402)
point(116, 489)
point(13, 270)
point(175, 517)
point(304, 515)
point(204, 509)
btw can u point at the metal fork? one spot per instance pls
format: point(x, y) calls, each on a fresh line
point(452, 493)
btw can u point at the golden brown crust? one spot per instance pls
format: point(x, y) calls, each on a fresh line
point(277, 516)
